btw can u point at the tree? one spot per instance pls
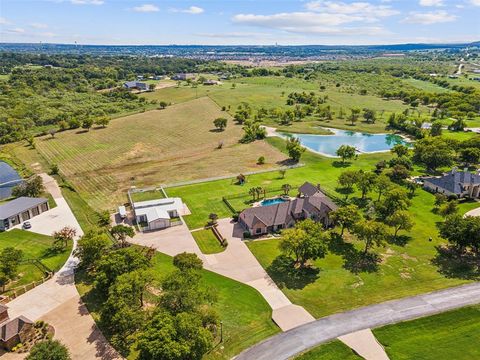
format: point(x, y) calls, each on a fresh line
point(261, 160)
point(346, 152)
point(347, 180)
point(400, 220)
point(104, 218)
point(354, 115)
point(151, 87)
point(253, 191)
point(470, 155)
point(48, 350)
point(399, 150)
point(398, 173)
point(382, 185)
point(162, 104)
point(187, 261)
point(10, 259)
point(306, 241)
point(120, 234)
point(63, 236)
point(174, 337)
point(436, 129)
point(433, 153)
point(220, 123)
point(102, 121)
point(369, 115)
point(462, 232)
point(449, 208)
point(118, 262)
point(32, 187)
point(295, 149)
point(91, 247)
point(52, 132)
point(346, 217)
point(282, 173)
point(286, 188)
point(87, 124)
point(54, 170)
point(365, 182)
point(371, 233)
point(394, 200)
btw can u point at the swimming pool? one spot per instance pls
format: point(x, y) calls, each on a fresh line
point(363, 142)
point(268, 202)
point(8, 179)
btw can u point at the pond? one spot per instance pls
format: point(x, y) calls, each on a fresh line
point(8, 179)
point(364, 143)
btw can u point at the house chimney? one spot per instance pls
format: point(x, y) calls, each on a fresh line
point(454, 170)
point(318, 187)
point(465, 170)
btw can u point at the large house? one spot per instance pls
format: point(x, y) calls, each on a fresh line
point(158, 214)
point(13, 331)
point(183, 76)
point(311, 203)
point(21, 209)
point(455, 183)
point(135, 85)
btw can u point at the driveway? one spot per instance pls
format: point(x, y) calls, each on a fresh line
point(474, 212)
point(57, 300)
point(237, 262)
point(302, 338)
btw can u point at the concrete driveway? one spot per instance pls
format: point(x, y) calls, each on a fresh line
point(302, 338)
point(237, 262)
point(474, 212)
point(57, 300)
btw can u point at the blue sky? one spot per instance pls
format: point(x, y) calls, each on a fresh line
point(239, 22)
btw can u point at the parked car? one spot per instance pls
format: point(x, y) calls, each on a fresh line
point(27, 225)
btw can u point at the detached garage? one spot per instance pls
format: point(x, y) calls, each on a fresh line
point(21, 209)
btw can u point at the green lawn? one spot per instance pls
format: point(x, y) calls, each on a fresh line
point(147, 195)
point(207, 242)
point(451, 335)
point(246, 316)
point(335, 350)
point(34, 246)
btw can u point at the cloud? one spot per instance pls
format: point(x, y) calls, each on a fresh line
point(354, 8)
point(475, 2)
point(39, 26)
point(87, 2)
point(431, 2)
point(235, 35)
point(4, 21)
point(194, 10)
point(16, 30)
point(146, 8)
point(428, 18)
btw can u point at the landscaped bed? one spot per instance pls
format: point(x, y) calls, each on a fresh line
point(207, 241)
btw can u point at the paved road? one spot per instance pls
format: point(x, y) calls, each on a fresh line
point(295, 341)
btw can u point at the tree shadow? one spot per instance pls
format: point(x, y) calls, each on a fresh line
point(284, 273)
point(81, 131)
point(216, 130)
point(399, 240)
point(357, 262)
point(453, 263)
point(341, 164)
point(339, 247)
point(361, 203)
point(287, 162)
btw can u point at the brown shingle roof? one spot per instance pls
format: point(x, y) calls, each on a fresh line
point(10, 328)
point(308, 189)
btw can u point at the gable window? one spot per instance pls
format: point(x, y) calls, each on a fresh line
point(258, 230)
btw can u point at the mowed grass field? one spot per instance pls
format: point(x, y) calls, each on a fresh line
point(35, 247)
point(335, 350)
point(161, 146)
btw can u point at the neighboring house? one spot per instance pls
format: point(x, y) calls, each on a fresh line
point(21, 209)
point(135, 85)
point(158, 214)
point(311, 203)
point(455, 183)
point(13, 331)
point(183, 76)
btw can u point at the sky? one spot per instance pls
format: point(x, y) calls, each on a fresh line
point(235, 22)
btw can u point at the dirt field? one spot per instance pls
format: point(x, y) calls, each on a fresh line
point(151, 148)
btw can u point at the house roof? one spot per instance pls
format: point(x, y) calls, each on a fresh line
point(19, 205)
point(157, 209)
point(135, 84)
point(308, 189)
point(283, 213)
point(3, 309)
point(10, 328)
point(454, 181)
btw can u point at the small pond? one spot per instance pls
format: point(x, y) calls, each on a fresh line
point(364, 143)
point(8, 179)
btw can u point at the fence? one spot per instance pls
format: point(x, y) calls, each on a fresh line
point(20, 290)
